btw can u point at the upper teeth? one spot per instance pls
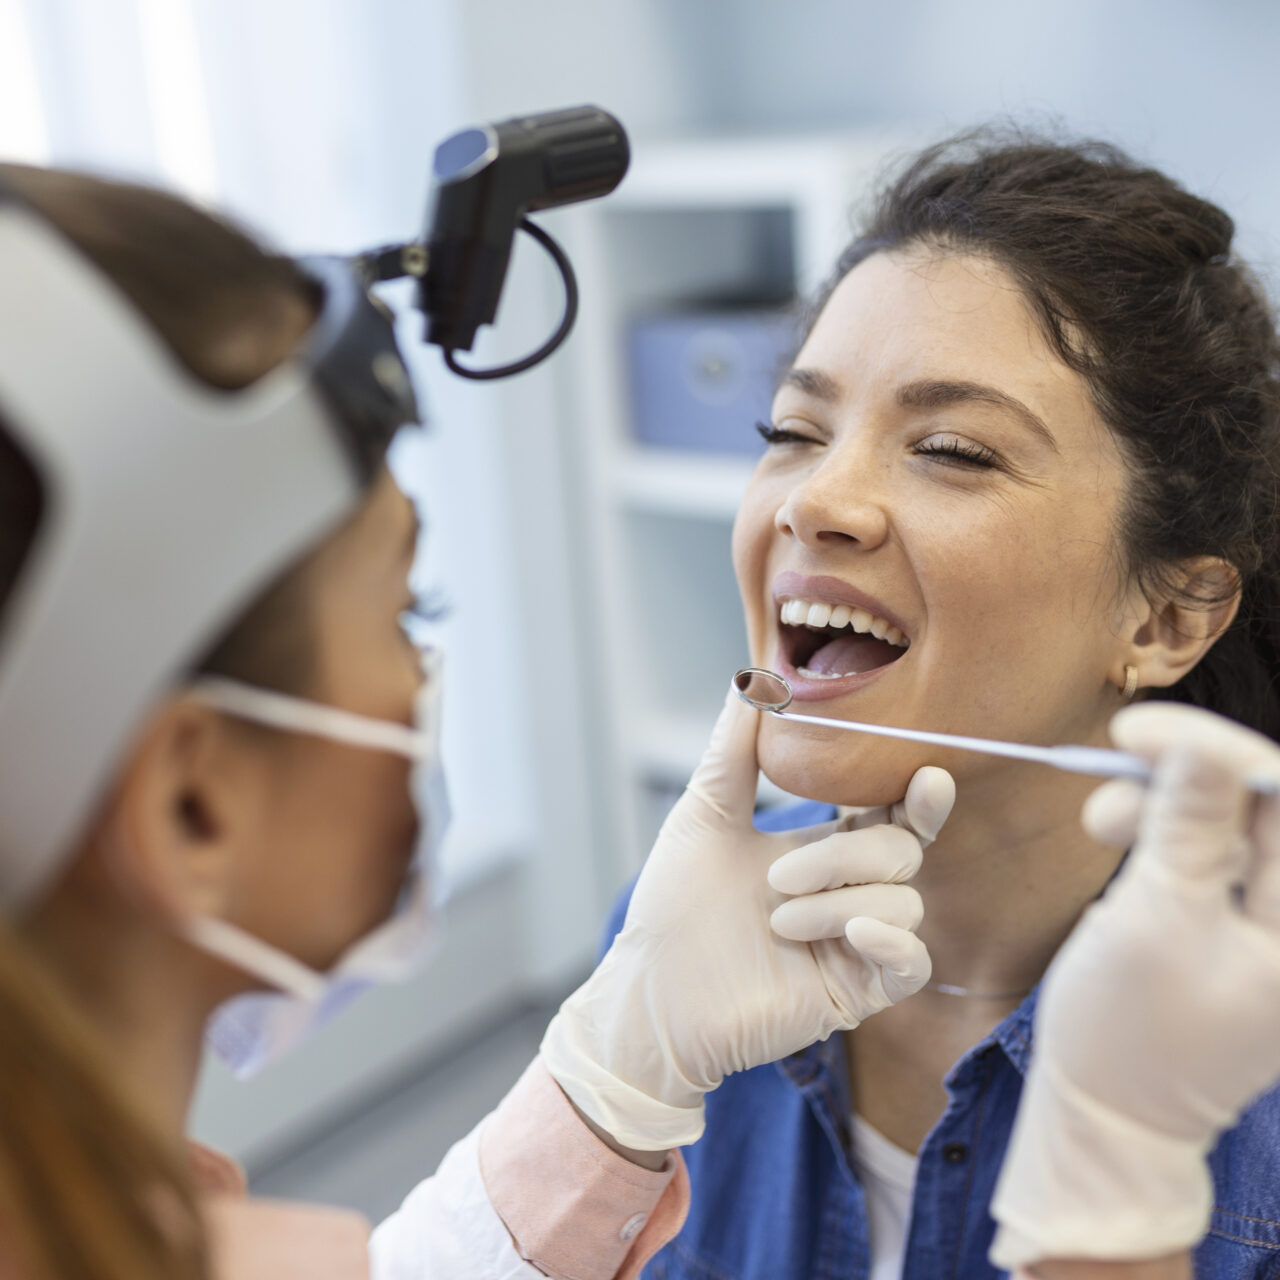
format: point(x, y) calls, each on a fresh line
point(807, 613)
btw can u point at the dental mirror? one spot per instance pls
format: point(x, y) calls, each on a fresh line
point(764, 690)
point(767, 691)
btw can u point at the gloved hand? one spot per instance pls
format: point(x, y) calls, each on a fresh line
point(697, 984)
point(1157, 1022)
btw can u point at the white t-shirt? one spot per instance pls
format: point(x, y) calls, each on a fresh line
point(887, 1174)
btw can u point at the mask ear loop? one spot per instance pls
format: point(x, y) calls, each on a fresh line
point(246, 953)
point(298, 715)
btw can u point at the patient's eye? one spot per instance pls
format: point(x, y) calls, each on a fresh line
point(957, 451)
point(781, 435)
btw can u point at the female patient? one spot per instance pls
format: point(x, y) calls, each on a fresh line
point(1022, 470)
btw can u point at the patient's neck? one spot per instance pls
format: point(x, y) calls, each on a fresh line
point(1009, 876)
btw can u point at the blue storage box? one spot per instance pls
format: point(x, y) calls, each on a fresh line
point(702, 380)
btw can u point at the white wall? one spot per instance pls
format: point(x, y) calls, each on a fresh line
point(1192, 86)
point(621, 54)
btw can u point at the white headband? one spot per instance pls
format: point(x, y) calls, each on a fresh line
point(168, 506)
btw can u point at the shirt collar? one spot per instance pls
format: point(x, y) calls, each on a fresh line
point(822, 1065)
point(1016, 1034)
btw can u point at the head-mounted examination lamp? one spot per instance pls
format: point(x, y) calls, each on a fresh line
point(485, 181)
point(169, 505)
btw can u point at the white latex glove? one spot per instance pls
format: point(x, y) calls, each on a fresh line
point(698, 985)
point(1158, 1019)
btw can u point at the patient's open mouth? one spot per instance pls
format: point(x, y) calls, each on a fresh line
point(832, 642)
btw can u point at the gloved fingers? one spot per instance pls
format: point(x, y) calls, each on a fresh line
point(930, 796)
point(1195, 812)
point(728, 773)
point(872, 855)
point(1201, 810)
point(799, 837)
point(1150, 729)
point(1113, 813)
point(902, 958)
point(1262, 881)
point(825, 915)
point(1193, 820)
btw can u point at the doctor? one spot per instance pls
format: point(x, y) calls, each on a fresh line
point(221, 787)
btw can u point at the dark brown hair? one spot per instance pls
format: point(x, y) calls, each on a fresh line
point(87, 1190)
point(1134, 282)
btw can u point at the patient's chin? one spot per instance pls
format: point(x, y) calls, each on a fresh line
point(861, 773)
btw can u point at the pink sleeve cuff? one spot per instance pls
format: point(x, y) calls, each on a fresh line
point(575, 1209)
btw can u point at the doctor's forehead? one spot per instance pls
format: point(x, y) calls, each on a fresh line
point(383, 529)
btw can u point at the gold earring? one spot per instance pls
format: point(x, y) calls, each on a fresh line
point(1130, 683)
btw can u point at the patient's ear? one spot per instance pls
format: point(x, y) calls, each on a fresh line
point(169, 834)
point(1176, 628)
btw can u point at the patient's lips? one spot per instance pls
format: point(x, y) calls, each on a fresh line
point(833, 638)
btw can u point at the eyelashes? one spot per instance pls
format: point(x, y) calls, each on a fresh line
point(427, 607)
point(778, 435)
point(957, 451)
point(950, 450)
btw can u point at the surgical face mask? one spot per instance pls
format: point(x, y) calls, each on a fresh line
point(252, 1031)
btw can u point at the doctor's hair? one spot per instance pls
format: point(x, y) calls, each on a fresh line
point(87, 1190)
point(1136, 287)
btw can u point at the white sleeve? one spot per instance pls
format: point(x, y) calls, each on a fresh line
point(447, 1229)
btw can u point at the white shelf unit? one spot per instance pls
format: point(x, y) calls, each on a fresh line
point(660, 606)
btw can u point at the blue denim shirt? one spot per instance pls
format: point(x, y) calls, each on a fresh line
point(776, 1195)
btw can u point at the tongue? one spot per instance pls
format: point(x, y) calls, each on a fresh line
point(849, 654)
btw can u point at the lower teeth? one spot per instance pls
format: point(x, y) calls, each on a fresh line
point(824, 675)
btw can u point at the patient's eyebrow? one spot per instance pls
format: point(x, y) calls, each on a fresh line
point(938, 394)
point(813, 383)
